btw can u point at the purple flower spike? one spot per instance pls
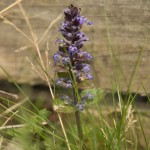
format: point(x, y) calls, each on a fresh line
point(71, 58)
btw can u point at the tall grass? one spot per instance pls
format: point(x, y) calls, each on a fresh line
point(24, 126)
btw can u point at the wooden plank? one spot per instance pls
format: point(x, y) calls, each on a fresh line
point(128, 26)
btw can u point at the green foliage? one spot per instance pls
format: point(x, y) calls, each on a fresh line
point(97, 93)
point(108, 126)
point(101, 130)
point(61, 107)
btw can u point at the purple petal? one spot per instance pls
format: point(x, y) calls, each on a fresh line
point(86, 68)
point(59, 41)
point(59, 82)
point(67, 99)
point(72, 50)
point(57, 57)
point(66, 60)
point(89, 23)
point(87, 56)
point(80, 35)
point(81, 19)
point(80, 106)
point(88, 97)
point(79, 44)
point(69, 84)
point(89, 76)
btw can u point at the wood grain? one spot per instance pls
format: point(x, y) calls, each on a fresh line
point(127, 23)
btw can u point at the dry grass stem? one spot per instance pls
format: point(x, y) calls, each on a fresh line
point(23, 48)
point(129, 118)
point(37, 47)
point(54, 138)
point(47, 59)
point(9, 94)
point(10, 6)
point(49, 27)
point(16, 28)
point(9, 118)
point(28, 24)
point(18, 126)
point(13, 107)
point(64, 132)
point(1, 141)
point(35, 69)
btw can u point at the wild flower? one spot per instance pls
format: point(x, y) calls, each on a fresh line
point(71, 56)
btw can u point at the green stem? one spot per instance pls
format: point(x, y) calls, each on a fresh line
point(79, 126)
point(76, 99)
point(78, 122)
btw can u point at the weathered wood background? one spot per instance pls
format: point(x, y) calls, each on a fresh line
point(125, 31)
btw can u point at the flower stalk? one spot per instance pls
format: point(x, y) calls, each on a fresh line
point(73, 62)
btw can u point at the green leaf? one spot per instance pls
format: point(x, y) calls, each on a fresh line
point(43, 114)
point(63, 74)
point(60, 106)
point(85, 84)
point(97, 93)
point(64, 109)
